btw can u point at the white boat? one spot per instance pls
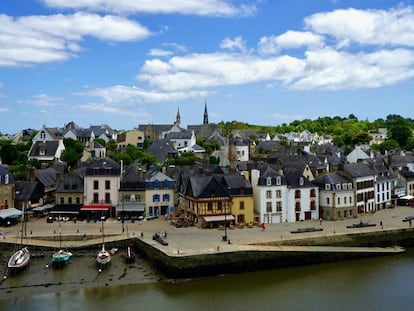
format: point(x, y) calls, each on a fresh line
point(20, 258)
point(103, 258)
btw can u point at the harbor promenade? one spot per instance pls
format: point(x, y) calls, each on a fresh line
point(196, 241)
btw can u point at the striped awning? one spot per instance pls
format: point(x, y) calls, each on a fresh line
point(97, 207)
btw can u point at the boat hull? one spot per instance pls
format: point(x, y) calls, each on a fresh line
point(19, 260)
point(61, 258)
point(103, 258)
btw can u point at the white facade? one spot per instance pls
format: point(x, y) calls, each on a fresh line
point(101, 189)
point(304, 207)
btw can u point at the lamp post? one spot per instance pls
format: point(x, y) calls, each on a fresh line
point(225, 238)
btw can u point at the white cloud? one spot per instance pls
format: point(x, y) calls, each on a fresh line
point(290, 39)
point(338, 70)
point(201, 71)
point(377, 27)
point(38, 39)
point(44, 100)
point(236, 44)
point(194, 7)
point(159, 53)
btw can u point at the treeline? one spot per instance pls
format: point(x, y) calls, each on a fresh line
point(345, 131)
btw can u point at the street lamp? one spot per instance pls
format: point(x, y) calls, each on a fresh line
point(225, 218)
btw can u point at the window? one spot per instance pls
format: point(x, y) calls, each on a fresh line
point(241, 205)
point(339, 201)
point(156, 184)
point(278, 193)
point(301, 181)
point(165, 197)
point(107, 184)
point(77, 200)
point(327, 187)
point(327, 201)
point(42, 135)
point(278, 206)
point(344, 200)
point(268, 194)
point(278, 180)
point(156, 198)
point(268, 181)
point(62, 200)
point(344, 186)
point(312, 193)
point(6, 179)
point(297, 194)
point(96, 197)
point(269, 207)
point(209, 206)
point(70, 200)
point(107, 197)
point(313, 205)
point(349, 186)
point(96, 184)
point(338, 187)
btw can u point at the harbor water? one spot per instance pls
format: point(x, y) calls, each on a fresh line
point(380, 283)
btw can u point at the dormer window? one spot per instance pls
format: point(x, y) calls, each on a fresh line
point(301, 181)
point(344, 186)
point(42, 152)
point(278, 181)
point(349, 186)
point(42, 135)
point(327, 187)
point(338, 186)
point(6, 179)
point(268, 181)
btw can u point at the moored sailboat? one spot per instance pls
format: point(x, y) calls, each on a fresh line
point(103, 258)
point(129, 256)
point(21, 257)
point(61, 257)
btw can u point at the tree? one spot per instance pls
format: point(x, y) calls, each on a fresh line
point(400, 132)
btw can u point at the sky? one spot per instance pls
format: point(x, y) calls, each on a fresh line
point(265, 62)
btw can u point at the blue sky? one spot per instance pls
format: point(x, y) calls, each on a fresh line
point(131, 62)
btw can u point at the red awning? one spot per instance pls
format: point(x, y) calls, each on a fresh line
point(103, 207)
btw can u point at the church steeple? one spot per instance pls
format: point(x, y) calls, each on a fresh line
point(177, 117)
point(205, 117)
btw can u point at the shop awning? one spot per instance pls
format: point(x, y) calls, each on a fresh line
point(66, 209)
point(131, 207)
point(10, 213)
point(43, 208)
point(97, 207)
point(218, 218)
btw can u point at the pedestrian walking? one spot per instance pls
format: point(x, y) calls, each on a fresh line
point(263, 226)
point(320, 221)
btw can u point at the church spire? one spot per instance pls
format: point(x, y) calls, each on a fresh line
point(177, 117)
point(205, 117)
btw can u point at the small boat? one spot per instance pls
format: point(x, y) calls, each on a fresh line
point(103, 258)
point(303, 230)
point(113, 251)
point(361, 225)
point(129, 256)
point(20, 258)
point(61, 257)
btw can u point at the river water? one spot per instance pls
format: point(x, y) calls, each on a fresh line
point(381, 283)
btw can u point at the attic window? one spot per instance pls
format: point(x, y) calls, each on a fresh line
point(42, 152)
point(328, 187)
point(268, 181)
point(301, 181)
point(278, 181)
point(349, 186)
point(338, 186)
point(344, 186)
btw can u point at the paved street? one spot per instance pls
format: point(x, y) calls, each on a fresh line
point(193, 240)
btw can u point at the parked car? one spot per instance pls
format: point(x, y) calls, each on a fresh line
point(159, 238)
point(49, 219)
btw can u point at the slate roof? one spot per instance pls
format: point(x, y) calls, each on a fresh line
point(179, 135)
point(49, 148)
point(47, 176)
point(72, 182)
point(293, 176)
point(27, 190)
point(331, 178)
point(358, 170)
point(161, 149)
point(102, 166)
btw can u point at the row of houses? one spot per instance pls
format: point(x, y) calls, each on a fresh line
point(265, 191)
